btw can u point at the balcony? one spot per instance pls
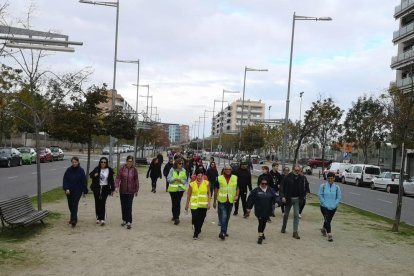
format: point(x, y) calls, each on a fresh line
point(402, 60)
point(403, 8)
point(403, 33)
point(404, 84)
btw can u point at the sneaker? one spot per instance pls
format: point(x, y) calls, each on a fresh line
point(195, 237)
point(98, 221)
point(269, 220)
point(323, 232)
point(123, 223)
point(273, 214)
point(300, 216)
point(260, 240)
point(176, 221)
point(246, 216)
point(172, 219)
point(226, 235)
point(296, 235)
point(222, 236)
point(264, 237)
point(283, 230)
point(330, 239)
point(235, 213)
point(155, 191)
point(73, 224)
point(128, 225)
point(102, 222)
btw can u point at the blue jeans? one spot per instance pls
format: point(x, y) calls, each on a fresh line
point(295, 203)
point(224, 210)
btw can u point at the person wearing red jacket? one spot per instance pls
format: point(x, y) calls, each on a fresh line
point(127, 185)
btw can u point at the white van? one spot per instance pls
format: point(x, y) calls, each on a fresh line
point(360, 174)
point(336, 168)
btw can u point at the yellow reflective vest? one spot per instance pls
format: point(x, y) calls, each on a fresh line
point(199, 195)
point(177, 185)
point(227, 190)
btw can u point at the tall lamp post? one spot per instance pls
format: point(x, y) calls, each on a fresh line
point(270, 107)
point(222, 116)
point(300, 109)
point(136, 105)
point(204, 125)
point(115, 5)
point(285, 134)
point(214, 112)
point(246, 69)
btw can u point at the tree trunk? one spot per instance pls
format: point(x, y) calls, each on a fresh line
point(88, 160)
point(397, 219)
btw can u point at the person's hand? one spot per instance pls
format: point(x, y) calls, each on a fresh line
point(236, 197)
point(214, 205)
point(96, 174)
point(208, 205)
point(136, 194)
point(186, 207)
point(67, 192)
point(283, 199)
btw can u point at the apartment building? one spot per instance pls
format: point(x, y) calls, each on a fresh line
point(403, 38)
point(120, 102)
point(229, 121)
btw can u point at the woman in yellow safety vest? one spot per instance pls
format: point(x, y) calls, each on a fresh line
point(177, 178)
point(198, 199)
point(226, 193)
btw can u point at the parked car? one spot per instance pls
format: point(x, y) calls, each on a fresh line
point(45, 155)
point(336, 168)
point(318, 162)
point(57, 153)
point(105, 151)
point(360, 174)
point(28, 155)
point(10, 157)
point(386, 181)
point(409, 186)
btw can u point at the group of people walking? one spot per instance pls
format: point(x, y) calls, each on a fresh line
point(203, 188)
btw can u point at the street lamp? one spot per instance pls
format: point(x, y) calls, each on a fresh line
point(147, 96)
point(222, 115)
point(204, 125)
point(116, 5)
point(246, 69)
point(269, 112)
point(285, 134)
point(136, 106)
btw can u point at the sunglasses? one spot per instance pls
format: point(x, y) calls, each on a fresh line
point(264, 183)
point(180, 163)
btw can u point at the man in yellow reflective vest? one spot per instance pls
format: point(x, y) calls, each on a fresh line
point(198, 199)
point(226, 193)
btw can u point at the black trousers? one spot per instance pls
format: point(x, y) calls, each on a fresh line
point(262, 224)
point(154, 183)
point(197, 218)
point(100, 196)
point(176, 203)
point(166, 184)
point(126, 207)
point(243, 196)
point(302, 205)
point(328, 216)
point(73, 203)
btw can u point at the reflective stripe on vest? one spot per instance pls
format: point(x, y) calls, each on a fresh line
point(177, 185)
point(199, 195)
point(227, 190)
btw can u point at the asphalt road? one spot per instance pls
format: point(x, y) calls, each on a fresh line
point(374, 201)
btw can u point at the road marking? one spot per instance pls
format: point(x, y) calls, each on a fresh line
point(386, 201)
point(52, 170)
point(354, 193)
point(34, 172)
point(11, 177)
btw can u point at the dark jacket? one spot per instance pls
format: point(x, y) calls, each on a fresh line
point(154, 171)
point(269, 179)
point(212, 175)
point(74, 180)
point(244, 180)
point(167, 169)
point(277, 179)
point(95, 180)
point(293, 186)
point(307, 190)
point(262, 201)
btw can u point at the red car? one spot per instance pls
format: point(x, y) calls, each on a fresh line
point(45, 155)
point(318, 162)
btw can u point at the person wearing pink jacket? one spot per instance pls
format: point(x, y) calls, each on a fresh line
point(127, 184)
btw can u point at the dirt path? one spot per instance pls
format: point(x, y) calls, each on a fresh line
point(154, 246)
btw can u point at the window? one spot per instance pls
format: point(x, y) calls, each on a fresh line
point(357, 169)
point(373, 170)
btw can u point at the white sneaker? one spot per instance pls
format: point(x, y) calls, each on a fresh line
point(128, 225)
point(102, 222)
point(300, 216)
point(123, 223)
point(98, 221)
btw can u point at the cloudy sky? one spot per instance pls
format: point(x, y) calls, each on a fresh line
point(190, 50)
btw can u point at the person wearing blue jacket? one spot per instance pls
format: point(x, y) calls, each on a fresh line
point(329, 197)
point(74, 185)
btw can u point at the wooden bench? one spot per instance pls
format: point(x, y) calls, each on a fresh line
point(20, 212)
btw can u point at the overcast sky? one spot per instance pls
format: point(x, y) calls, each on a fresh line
point(190, 50)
